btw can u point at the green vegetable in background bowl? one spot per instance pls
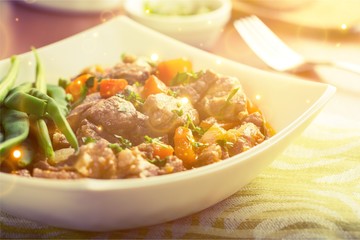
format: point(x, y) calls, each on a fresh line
point(177, 8)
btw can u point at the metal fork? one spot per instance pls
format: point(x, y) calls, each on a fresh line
point(275, 53)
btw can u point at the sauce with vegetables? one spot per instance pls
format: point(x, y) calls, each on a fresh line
point(137, 119)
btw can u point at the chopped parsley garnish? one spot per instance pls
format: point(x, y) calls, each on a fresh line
point(190, 124)
point(232, 94)
point(224, 143)
point(186, 78)
point(132, 97)
point(178, 112)
point(87, 140)
point(115, 147)
point(158, 161)
point(123, 142)
point(155, 141)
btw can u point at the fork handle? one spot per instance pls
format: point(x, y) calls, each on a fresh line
point(355, 68)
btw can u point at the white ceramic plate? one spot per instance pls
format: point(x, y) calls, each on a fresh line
point(100, 205)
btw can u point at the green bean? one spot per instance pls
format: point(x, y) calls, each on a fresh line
point(43, 137)
point(9, 80)
point(24, 102)
point(59, 95)
point(40, 82)
point(23, 87)
point(42, 132)
point(16, 127)
point(59, 119)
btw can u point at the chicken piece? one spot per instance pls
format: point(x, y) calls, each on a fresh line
point(132, 72)
point(117, 117)
point(224, 100)
point(96, 160)
point(243, 138)
point(76, 115)
point(166, 113)
point(196, 90)
point(131, 163)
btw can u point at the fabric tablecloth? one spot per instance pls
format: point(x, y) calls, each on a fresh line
point(311, 191)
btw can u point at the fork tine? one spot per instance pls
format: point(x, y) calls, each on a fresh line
point(265, 43)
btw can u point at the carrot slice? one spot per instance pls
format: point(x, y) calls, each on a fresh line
point(153, 86)
point(109, 87)
point(167, 70)
point(183, 143)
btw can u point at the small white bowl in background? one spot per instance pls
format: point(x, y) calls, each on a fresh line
point(75, 6)
point(196, 22)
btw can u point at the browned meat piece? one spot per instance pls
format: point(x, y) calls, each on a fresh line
point(131, 163)
point(255, 118)
point(173, 164)
point(88, 130)
point(132, 72)
point(166, 112)
point(61, 174)
point(59, 140)
point(42, 169)
point(247, 136)
point(118, 117)
point(96, 160)
point(76, 115)
point(208, 155)
point(196, 90)
point(224, 100)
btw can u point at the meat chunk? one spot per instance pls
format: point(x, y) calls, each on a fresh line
point(61, 174)
point(132, 72)
point(257, 119)
point(166, 112)
point(245, 137)
point(224, 100)
point(173, 164)
point(170, 164)
point(89, 131)
point(96, 160)
point(42, 169)
point(131, 163)
point(76, 115)
point(209, 155)
point(114, 117)
point(196, 90)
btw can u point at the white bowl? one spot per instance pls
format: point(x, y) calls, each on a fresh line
point(101, 205)
point(200, 30)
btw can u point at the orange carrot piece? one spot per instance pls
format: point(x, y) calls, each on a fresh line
point(153, 86)
point(109, 87)
point(167, 70)
point(183, 142)
point(163, 150)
